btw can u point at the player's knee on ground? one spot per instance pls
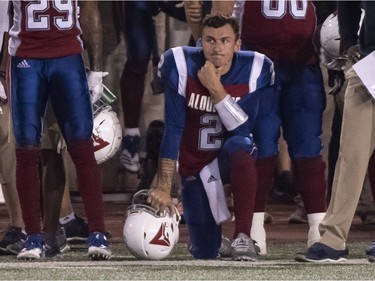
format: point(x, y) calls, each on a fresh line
point(204, 233)
point(203, 246)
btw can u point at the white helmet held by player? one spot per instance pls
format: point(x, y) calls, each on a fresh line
point(330, 55)
point(107, 132)
point(148, 234)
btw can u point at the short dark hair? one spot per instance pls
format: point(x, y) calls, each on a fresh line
point(219, 20)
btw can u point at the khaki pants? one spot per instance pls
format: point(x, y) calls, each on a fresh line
point(7, 147)
point(356, 146)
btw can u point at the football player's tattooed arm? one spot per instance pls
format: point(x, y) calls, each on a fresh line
point(160, 192)
point(92, 33)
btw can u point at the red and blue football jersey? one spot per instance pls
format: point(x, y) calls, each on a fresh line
point(193, 130)
point(33, 19)
point(282, 30)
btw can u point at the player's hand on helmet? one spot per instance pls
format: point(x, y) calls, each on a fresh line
point(161, 200)
point(95, 83)
point(353, 53)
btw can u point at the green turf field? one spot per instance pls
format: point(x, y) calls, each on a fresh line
point(277, 265)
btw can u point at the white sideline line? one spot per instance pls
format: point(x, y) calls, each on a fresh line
point(185, 263)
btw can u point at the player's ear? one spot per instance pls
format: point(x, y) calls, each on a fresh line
point(237, 45)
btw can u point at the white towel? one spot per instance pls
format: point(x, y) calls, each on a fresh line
point(213, 185)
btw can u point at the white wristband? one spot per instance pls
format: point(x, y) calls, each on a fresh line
point(231, 114)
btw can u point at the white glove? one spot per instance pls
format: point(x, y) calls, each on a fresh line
point(95, 82)
point(3, 96)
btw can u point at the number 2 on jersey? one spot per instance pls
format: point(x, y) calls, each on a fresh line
point(209, 135)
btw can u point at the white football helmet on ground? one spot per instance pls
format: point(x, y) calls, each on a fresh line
point(106, 133)
point(148, 234)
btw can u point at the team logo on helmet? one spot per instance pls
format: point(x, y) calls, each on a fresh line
point(106, 133)
point(99, 143)
point(161, 238)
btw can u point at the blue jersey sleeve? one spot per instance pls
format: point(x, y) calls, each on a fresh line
point(250, 102)
point(174, 115)
point(267, 75)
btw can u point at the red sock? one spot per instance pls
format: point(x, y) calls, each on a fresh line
point(265, 170)
point(28, 188)
point(311, 183)
point(89, 183)
point(243, 187)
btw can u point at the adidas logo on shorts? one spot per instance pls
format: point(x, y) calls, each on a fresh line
point(211, 179)
point(23, 64)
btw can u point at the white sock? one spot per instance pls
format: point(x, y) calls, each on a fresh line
point(314, 221)
point(67, 218)
point(258, 232)
point(131, 132)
